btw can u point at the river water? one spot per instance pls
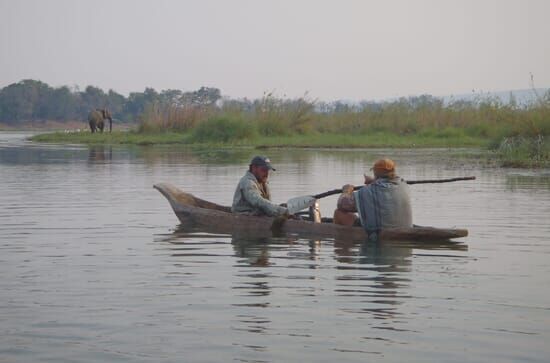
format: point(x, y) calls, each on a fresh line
point(94, 267)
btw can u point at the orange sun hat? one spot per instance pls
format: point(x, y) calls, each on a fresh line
point(384, 165)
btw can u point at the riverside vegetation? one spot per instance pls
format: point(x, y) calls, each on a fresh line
point(516, 135)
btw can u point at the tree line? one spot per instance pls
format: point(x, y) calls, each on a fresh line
point(32, 100)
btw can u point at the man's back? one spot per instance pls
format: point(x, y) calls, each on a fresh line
point(385, 203)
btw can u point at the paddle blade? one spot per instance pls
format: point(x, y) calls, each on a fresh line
point(296, 204)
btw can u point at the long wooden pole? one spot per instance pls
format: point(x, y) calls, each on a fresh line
point(427, 181)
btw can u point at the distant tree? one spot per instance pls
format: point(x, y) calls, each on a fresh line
point(339, 106)
point(115, 104)
point(171, 97)
point(60, 104)
point(207, 96)
point(138, 102)
point(92, 98)
point(151, 95)
point(134, 104)
point(323, 107)
point(22, 101)
point(425, 102)
point(237, 105)
point(370, 106)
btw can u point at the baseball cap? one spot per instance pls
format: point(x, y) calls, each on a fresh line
point(262, 161)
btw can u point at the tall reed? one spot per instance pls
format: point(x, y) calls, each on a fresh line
point(507, 126)
point(159, 117)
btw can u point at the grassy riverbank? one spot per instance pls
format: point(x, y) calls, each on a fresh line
point(518, 135)
point(511, 152)
point(447, 138)
point(114, 138)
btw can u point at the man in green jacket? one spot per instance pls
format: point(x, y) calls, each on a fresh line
point(252, 195)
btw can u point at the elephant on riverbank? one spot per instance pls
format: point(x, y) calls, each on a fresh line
point(97, 118)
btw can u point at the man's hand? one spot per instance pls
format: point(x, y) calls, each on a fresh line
point(347, 189)
point(368, 179)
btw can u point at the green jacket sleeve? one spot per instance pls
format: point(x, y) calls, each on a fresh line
point(252, 194)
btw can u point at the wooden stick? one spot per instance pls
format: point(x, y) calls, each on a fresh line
point(428, 181)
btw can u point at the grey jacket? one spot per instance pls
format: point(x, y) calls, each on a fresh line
point(251, 197)
point(385, 203)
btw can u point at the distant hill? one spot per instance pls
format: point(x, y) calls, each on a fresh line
point(522, 96)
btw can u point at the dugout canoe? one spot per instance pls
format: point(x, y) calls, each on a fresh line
point(200, 213)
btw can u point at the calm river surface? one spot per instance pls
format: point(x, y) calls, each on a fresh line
point(94, 267)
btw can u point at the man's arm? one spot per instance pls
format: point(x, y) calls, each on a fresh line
point(253, 195)
point(368, 179)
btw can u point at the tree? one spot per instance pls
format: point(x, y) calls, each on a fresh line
point(171, 97)
point(22, 101)
point(30, 100)
point(115, 103)
point(93, 98)
point(207, 96)
point(60, 104)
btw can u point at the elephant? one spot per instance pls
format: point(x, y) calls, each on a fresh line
point(96, 119)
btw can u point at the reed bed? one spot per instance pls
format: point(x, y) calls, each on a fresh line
point(519, 135)
point(514, 132)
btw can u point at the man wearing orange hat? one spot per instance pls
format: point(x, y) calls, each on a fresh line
point(384, 202)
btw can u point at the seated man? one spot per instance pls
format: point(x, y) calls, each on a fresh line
point(385, 201)
point(252, 194)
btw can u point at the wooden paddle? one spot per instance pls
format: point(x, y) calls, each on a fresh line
point(296, 204)
point(427, 181)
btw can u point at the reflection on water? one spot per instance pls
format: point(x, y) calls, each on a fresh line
point(178, 155)
point(100, 154)
point(373, 278)
point(95, 269)
point(526, 180)
point(254, 252)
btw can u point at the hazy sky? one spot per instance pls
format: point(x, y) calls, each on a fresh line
point(332, 49)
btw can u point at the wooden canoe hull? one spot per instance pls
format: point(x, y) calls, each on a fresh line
point(216, 218)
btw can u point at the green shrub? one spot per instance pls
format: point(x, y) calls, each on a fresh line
point(223, 129)
point(273, 127)
point(524, 151)
point(480, 130)
point(445, 133)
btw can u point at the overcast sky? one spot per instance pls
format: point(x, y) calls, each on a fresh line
point(332, 49)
